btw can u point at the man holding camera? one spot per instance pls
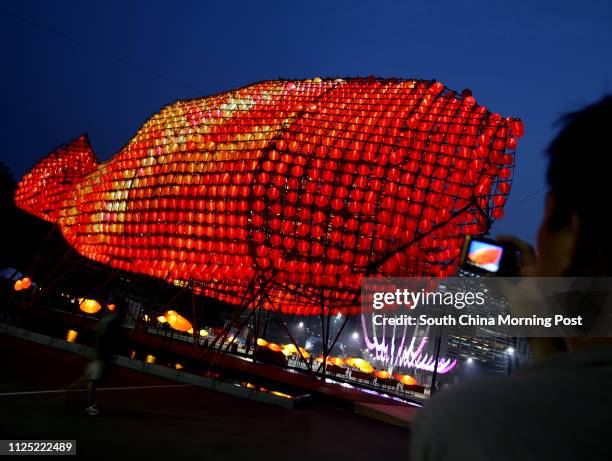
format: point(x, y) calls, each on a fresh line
point(560, 407)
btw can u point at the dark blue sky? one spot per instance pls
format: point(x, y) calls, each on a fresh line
point(104, 67)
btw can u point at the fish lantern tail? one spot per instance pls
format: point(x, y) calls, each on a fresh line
point(43, 190)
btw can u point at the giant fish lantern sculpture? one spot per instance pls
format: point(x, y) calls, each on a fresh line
point(308, 185)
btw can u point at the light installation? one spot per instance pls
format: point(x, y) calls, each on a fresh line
point(403, 352)
point(302, 186)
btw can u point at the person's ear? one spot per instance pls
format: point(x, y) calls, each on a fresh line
point(556, 255)
point(568, 243)
point(549, 205)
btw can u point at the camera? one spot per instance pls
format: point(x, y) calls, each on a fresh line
point(489, 257)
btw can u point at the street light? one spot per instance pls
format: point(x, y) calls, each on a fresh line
point(355, 335)
point(470, 360)
point(510, 352)
point(301, 325)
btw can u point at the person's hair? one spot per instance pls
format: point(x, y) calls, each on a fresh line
point(580, 178)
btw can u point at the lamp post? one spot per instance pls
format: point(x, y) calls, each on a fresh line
point(435, 370)
point(510, 355)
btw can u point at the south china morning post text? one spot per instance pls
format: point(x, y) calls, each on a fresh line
point(518, 307)
point(458, 300)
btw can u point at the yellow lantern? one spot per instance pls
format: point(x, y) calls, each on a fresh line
point(360, 364)
point(90, 306)
point(178, 322)
point(203, 333)
point(406, 379)
point(161, 319)
point(71, 336)
point(281, 394)
point(305, 353)
point(262, 342)
point(18, 285)
point(290, 348)
point(366, 367)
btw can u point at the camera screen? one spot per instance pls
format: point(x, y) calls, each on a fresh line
point(484, 255)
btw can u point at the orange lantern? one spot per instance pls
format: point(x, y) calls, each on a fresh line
point(382, 374)
point(406, 379)
point(90, 306)
point(26, 283)
point(71, 336)
point(360, 364)
point(18, 286)
point(178, 322)
point(111, 307)
point(274, 347)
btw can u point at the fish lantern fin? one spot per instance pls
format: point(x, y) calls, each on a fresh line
point(43, 191)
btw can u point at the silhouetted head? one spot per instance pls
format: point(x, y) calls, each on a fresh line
point(574, 237)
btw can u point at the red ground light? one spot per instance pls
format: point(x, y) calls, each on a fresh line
point(308, 184)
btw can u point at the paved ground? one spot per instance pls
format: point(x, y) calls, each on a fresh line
point(144, 416)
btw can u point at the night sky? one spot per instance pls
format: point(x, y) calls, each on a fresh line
point(105, 67)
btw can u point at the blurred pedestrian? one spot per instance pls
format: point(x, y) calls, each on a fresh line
point(107, 342)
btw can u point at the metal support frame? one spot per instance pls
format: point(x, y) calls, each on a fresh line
point(333, 344)
point(194, 322)
point(277, 314)
point(245, 303)
point(47, 284)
